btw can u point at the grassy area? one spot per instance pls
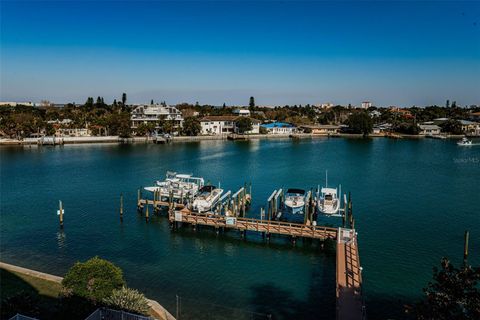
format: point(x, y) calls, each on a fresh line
point(14, 282)
point(33, 296)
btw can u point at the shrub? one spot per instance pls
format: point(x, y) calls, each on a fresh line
point(94, 279)
point(128, 300)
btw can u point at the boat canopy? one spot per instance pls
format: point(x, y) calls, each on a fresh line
point(183, 176)
point(329, 191)
point(296, 191)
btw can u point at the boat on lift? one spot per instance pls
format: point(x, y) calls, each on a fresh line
point(206, 198)
point(294, 205)
point(464, 142)
point(328, 202)
point(178, 184)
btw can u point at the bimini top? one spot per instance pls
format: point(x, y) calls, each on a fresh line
point(329, 191)
point(296, 191)
point(277, 125)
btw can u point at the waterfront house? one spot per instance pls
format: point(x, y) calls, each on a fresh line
point(279, 128)
point(429, 129)
point(325, 129)
point(155, 113)
point(216, 125)
point(73, 132)
point(242, 112)
point(470, 127)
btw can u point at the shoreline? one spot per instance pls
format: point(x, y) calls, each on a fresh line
point(156, 307)
point(179, 139)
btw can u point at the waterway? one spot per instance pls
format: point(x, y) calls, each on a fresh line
point(412, 200)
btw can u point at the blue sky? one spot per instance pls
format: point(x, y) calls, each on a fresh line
point(391, 53)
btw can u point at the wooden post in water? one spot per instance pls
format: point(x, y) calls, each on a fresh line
point(465, 248)
point(60, 213)
point(146, 210)
point(121, 207)
point(244, 199)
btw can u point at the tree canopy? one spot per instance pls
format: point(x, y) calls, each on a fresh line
point(360, 122)
point(453, 294)
point(191, 126)
point(94, 279)
point(244, 124)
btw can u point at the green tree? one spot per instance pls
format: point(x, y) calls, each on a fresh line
point(452, 126)
point(94, 279)
point(145, 129)
point(191, 126)
point(151, 101)
point(129, 300)
point(124, 98)
point(360, 122)
point(243, 124)
point(251, 103)
point(452, 294)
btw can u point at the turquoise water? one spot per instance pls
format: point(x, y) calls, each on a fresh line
point(412, 199)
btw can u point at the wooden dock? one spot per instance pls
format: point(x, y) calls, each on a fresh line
point(251, 224)
point(230, 214)
point(350, 304)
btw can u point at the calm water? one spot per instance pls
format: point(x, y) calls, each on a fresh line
point(412, 201)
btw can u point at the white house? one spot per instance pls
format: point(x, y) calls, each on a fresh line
point(154, 113)
point(366, 104)
point(216, 125)
point(470, 127)
point(429, 129)
point(242, 112)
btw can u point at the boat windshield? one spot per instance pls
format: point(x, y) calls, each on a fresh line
point(298, 192)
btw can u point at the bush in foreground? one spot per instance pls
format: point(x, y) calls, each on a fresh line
point(127, 299)
point(94, 279)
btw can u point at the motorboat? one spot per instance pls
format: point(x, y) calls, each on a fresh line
point(464, 142)
point(206, 198)
point(294, 202)
point(178, 185)
point(328, 202)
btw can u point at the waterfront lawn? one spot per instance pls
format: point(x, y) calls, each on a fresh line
point(44, 293)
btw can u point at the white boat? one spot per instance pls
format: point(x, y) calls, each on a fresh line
point(180, 185)
point(464, 142)
point(206, 198)
point(294, 204)
point(328, 202)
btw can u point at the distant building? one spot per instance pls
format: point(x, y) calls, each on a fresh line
point(155, 113)
point(73, 132)
point(217, 125)
point(475, 116)
point(279, 128)
point(375, 113)
point(325, 129)
point(366, 104)
point(470, 127)
point(14, 104)
point(429, 129)
point(60, 122)
point(242, 112)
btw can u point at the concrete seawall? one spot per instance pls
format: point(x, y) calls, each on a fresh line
point(157, 308)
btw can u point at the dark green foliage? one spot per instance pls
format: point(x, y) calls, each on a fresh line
point(453, 294)
point(145, 129)
point(191, 126)
point(23, 303)
point(360, 122)
point(124, 98)
point(244, 124)
point(251, 103)
point(407, 128)
point(263, 130)
point(94, 279)
point(452, 126)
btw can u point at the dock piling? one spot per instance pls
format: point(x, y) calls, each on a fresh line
point(60, 213)
point(121, 207)
point(465, 248)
